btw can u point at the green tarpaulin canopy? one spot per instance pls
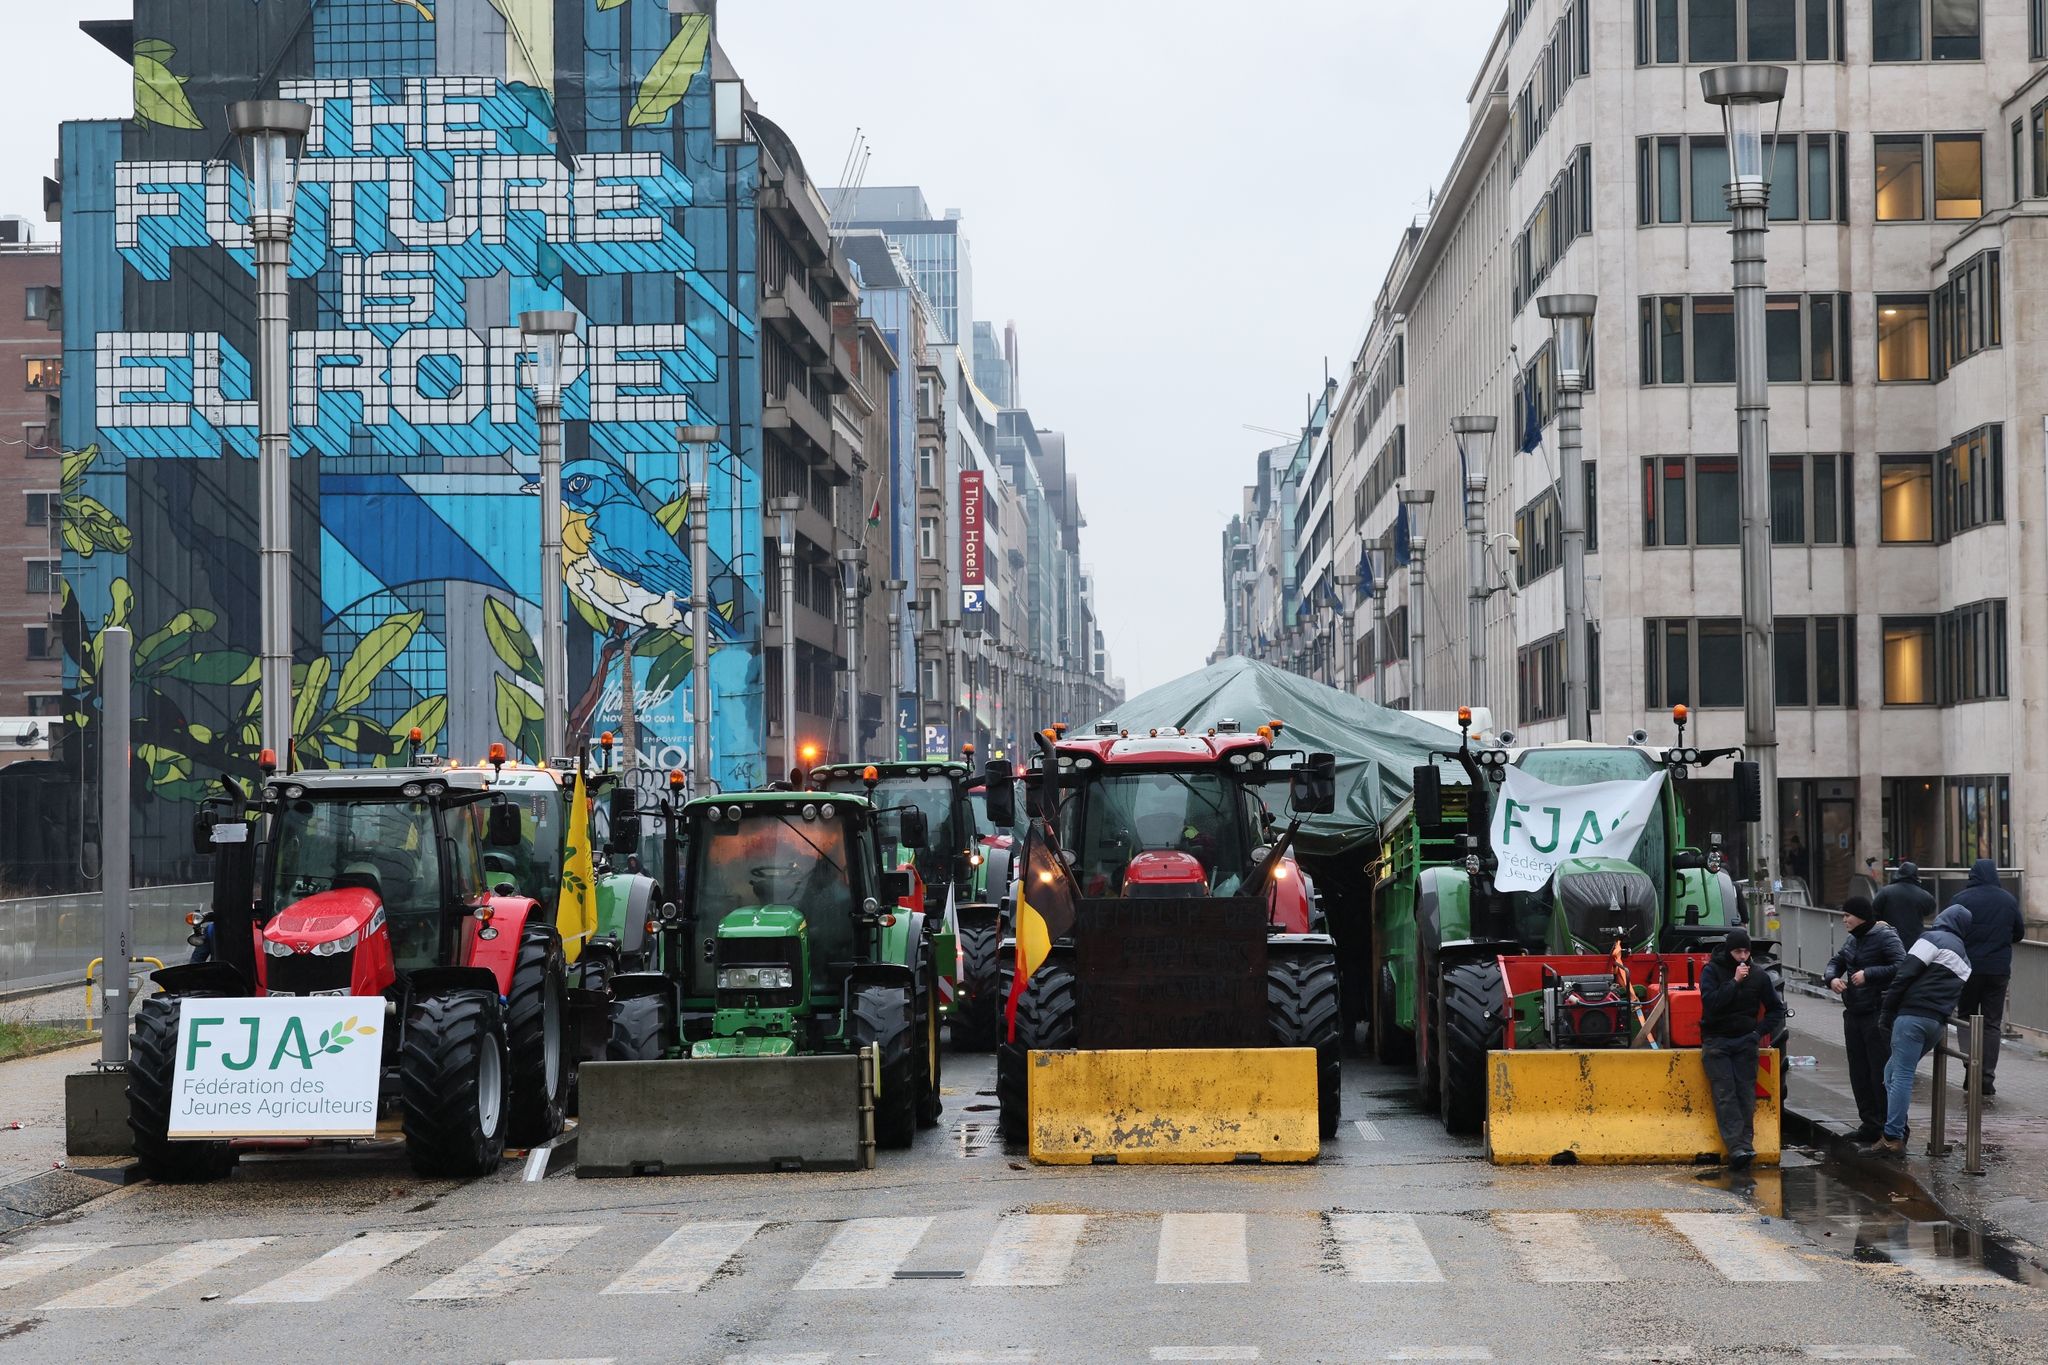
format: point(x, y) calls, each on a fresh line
point(1377, 748)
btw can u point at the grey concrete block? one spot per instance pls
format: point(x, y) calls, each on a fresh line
point(96, 1114)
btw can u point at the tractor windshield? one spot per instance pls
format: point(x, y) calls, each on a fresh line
point(386, 846)
point(773, 857)
point(933, 796)
point(1119, 815)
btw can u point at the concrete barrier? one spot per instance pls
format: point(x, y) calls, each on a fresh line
point(723, 1114)
point(1613, 1106)
point(1174, 1106)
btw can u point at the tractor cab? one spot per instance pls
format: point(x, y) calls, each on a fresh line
point(937, 790)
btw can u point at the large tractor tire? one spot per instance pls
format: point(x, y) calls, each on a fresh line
point(1392, 1045)
point(452, 1075)
point(152, 1066)
point(977, 996)
point(1304, 1009)
point(930, 1089)
point(1471, 1017)
point(1047, 1021)
point(1428, 1040)
point(886, 1017)
point(537, 1032)
point(640, 1029)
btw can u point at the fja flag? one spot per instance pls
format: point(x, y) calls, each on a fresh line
point(1536, 825)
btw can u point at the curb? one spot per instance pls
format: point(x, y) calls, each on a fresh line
point(555, 1154)
point(80, 1041)
point(59, 1190)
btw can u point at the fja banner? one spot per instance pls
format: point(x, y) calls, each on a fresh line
point(1536, 826)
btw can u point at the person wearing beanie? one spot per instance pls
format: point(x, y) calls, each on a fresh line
point(1924, 992)
point(1904, 903)
point(1740, 1010)
point(1858, 974)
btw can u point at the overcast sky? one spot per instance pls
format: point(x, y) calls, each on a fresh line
point(1186, 208)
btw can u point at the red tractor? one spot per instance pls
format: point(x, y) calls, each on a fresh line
point(374, 883)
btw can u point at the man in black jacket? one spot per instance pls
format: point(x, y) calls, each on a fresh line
point(1734, 992)
point(1859, 972)
point(1923, 993)
point(1904, 903)
point(1995, 925)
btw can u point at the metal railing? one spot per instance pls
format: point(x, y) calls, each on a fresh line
point(1973, 1094)
point(1809, 934)
point(50, 939)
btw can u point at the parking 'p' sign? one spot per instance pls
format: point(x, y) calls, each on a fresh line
point(278, 1066)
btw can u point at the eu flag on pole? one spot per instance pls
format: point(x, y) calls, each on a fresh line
point(1401, 548)
point(1365, 583)
point(1532, 422)
point(1330, 593)
point(1301, 610)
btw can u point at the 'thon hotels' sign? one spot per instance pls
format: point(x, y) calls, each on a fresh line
point(973, 572)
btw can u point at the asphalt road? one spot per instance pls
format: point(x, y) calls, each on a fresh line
point(1400, 1244)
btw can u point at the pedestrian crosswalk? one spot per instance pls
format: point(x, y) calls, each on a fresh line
point(1015, 1250)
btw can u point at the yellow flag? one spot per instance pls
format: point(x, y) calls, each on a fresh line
point(576, 911)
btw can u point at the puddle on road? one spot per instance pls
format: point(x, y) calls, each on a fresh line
point(1874, 1218)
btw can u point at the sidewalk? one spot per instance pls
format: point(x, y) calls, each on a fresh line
point(2011, 1198)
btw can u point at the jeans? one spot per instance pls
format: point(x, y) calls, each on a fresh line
point(1985, 994)
point(1913, 1037)
point(1730, 1065)
point(1869, 1048)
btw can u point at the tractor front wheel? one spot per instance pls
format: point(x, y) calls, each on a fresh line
point(152, 1066)
point(536, 1019)
point(1392, 1045)
point(640, 1029)
point(1304, 1008)
point(886, 1017)
point(1047, 1021)
point(1471, 1016)
point(930, 1097)
point(977, 996)
point(452, 1084)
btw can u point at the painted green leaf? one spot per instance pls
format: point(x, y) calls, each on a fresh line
point(674, 514)
point(123, 602)
point(89, 526)
point(603, 5)
point(669, 78)
point(429, 715)
point(515, 709)
point(309, 683)
point(160, 93)
point(212, 668)
point(76, 463)
point(509, 640)
point(178, 632)
point(370, 656)
point(592, 617)
point(671, 667)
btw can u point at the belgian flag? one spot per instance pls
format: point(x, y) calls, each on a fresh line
point(1046, 906)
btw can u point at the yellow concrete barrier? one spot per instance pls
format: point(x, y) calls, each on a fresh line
point(1174, 1105)
point(1613, 1106)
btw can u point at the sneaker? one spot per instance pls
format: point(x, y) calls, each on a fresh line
point(1891, 1148)
point(1739, 1161)
point(1989, 1089)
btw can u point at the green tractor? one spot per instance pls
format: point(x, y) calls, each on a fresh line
point(1462, 968)
point(792, 939)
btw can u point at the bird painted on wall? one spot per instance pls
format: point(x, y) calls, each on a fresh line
point(616, 557)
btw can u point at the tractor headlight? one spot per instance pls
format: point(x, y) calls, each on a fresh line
point(755, 978)
point(348, 943)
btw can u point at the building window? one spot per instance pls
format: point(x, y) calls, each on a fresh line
point(1903, 338)
point(1966, 312)
point(1980, 819)
point(1394, 644)
point(1693, 662)
point(1901, 29)
point(1386, 470)
point(1805, 338)
point(1971, 480)
point(42, 642)
point(39, 302)
point(2037, 29)
point(1539, 678)
point(45, 703)
point(1909, 661)
point(1905, 499)
point(45, 372)
point(1973, 653)
point(1539, 530)
point(2019, 151)
point(37, 439)
point(927, 538)
point(43, 576)
point(1563, 215)
point(1814, 660)
point(1734, 31)
point(1904, 166)
point(927, 467)
point(934, 680)
point(1696, 500)
point(39, 506)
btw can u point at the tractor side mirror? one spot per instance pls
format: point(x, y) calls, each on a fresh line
point(1312, 785)
point(202, 831)
point(1033, 807)
point(895, 885)
point(504, 828)
point(625, 822)
point(912, 830)
point(1749, 792)
point(1429, 795)
point(1002, 793)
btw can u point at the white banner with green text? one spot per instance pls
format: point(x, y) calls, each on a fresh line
point(1536, 826)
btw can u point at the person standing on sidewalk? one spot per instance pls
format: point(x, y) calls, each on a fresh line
point(1734, 992)
point(1917, 1004)
point(1904, 903)
point(1859, 972)
point(1995, 925)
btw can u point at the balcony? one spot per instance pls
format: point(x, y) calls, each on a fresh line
point(808, 429)
point(787, 308)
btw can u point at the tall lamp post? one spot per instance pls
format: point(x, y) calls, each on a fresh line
point(894, 587)
point(1571, 327)
point(1418, 635)
point(545, 332)
point(271, 132)
point(785, 510)
point(1347, 584)
point(1475, 443)
point(1746, 94)
point(849, 590)
point(696, 442)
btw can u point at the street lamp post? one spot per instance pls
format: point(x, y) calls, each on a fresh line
point(894, 587)
point(1379, 634)
point(1347, 583)
point(270, 132)
point(1571, 325)
point(849, 590)
point(1475, 442)
point(785, 510)
point(545, 333)
point(1744, 94)
point(1418, 634)
point(698, 471)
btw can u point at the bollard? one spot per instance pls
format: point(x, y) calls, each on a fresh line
point(1937, 1121)
point(1973, 1101)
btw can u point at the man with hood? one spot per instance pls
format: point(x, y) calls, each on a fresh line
point(1904, 903)
point(1858, 973)
point(1917, 1004)
point(1739, 1009)
point(1995, 925)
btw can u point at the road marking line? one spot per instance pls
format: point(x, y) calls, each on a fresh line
point(1202, 1248)
point(1945, 1270)
point(1555, 1249)
point(572, 1360)
point(787, 1358)
point(1439, 1353)
point(1030, 1249)
point(1367, 1129)
point(1205, 1353)
point(686, 1260)
point(1384, 1248)
point(26, 1264)
point(864, 1253)
point(1021, 1355)
point(168, 1271)
point(321, 1279)
point(1658, 1354)
point(1859, 1353)
point(505, 1266)
point(1741, 1251)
